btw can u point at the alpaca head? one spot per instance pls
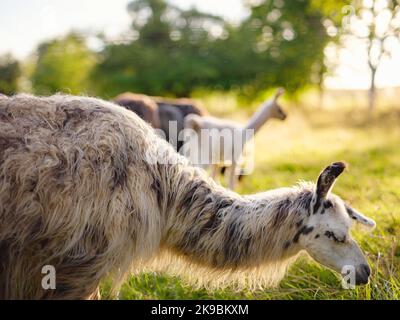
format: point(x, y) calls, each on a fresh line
point(325, 235)
point(276, 110)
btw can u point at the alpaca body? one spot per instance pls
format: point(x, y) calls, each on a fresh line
point(172, 113)
point(171, 124)
point(186, 106)
point(142, 105)
point(228, 152)
point(162, 113)
point(85, 188)
point(222, 145)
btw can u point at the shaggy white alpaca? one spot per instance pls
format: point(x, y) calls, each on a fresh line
point(89, 188)
point(222, 143)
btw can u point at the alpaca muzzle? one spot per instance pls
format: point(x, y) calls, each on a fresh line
point(363, 271)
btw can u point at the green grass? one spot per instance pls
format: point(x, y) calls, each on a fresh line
point(297, 150)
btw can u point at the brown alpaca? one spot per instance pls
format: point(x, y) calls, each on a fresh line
point(87, 188)
point(162, 113)
point(185, 105)
point(142, 105)
point(172, 113)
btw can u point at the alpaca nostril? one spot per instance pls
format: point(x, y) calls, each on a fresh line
point(360, 280)
point(362, 274)
point(366, 269)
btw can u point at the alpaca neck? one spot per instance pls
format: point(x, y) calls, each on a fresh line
point(221, 229)
point(262, 115)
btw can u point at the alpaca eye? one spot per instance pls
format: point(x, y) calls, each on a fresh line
point(328, 204)
point(332, 236)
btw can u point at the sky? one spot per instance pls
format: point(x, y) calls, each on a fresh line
point(25, 23)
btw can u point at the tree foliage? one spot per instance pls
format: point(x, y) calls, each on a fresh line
point(170, 56)
point(170, 51)
point(9, 74)
point(63, 65)
point(175, 51)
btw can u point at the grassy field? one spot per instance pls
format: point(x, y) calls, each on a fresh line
point(298, 149)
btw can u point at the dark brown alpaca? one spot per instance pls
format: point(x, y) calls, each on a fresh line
point(142, 105)
point(160, 112)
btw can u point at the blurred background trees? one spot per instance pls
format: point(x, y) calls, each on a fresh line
point(171, 51)
point(175, 51)
point(63, 65)
point(375, 23)
point(9, 73)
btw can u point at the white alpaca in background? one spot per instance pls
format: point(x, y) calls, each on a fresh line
point(222, 143)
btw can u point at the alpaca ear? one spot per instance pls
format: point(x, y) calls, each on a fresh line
point(326, 181)
point(278, 93)
point(359, 217)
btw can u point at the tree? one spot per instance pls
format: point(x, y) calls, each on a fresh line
point(169, 55)
point(290, 38)
point(175, 51)
point(377, 24)
point(9, 74)
point(149, 19)
point(63, 65)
